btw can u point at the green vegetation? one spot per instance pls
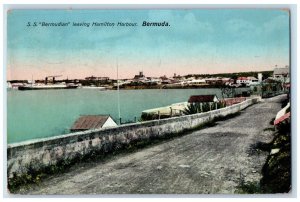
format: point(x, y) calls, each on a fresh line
point(149, 117)
point(276, 172)
point(265, 74)
point(227, 91)
point(277, 169)
point(195, 108)
point(249, 188)
point(269, 129)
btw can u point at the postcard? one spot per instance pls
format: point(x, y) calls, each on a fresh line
point(148, 101)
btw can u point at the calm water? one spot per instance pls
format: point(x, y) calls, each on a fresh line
point(45, 113)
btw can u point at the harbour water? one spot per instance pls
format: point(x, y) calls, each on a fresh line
point(46, 113)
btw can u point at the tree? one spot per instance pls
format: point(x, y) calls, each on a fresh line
point(227, 91)
point(234, 77)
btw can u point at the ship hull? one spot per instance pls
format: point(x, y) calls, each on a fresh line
point(45, 87)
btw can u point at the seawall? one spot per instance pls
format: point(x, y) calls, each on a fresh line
point(34, 155)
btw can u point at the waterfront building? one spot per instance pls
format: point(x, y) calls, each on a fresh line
point(154, 80)
point(178, 78)
point(227, 81)
point(214, 81)
point(242, 80)
point(140, 77)
point(252, 81)
point(123, 82)
point(196, 82)
point(166, 80)
point(94, 78)
point(88, 122)
point(281, 73)
point(203, 99)
point(247, 81)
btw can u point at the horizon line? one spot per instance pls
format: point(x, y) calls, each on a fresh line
point(190, 74)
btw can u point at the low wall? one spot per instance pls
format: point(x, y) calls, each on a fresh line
point(41, 153)
point(232, 101)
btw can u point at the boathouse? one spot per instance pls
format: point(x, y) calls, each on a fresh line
point(203, 99)
point(87, 122)
point(205, 102)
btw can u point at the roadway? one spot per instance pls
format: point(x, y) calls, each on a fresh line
point(211, 160)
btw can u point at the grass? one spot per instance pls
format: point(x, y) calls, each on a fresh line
point(269, 129)
point(249, 188)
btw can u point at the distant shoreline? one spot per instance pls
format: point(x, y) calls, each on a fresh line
point(170, 87)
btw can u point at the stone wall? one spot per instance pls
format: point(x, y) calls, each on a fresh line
point(41, 153)
point(232, 101)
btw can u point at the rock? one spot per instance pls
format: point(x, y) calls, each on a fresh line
point(184, 166)
point(274, 151)
point(159, 167)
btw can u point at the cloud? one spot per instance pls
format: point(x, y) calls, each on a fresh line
point(237, 25)
point(181, 21)
point(265, 30)
point(276, 24)
point(199, 25)
point(241, 28)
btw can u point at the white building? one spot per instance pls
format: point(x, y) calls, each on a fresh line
point(247, 80)
point(252, 81)
point(242, 80)
point(195, 82)
point(281, 74)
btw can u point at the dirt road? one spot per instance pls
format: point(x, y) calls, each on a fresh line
point(212, 160)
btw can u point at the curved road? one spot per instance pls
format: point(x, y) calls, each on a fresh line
point(212, 160)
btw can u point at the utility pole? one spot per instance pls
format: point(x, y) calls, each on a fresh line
point(118, 89)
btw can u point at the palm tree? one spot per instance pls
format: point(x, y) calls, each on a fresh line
point(193, 108)
point(196, 107)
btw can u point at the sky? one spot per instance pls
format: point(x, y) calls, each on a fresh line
point(197, 41)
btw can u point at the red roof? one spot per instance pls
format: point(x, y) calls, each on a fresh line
point(87, 122)
point(201, 98)
point(242, 78)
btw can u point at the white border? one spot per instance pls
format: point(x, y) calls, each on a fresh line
point(159, 4)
